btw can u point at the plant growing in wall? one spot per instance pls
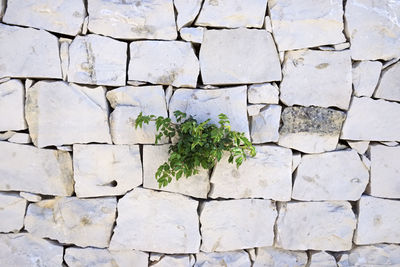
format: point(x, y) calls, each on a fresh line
point(199, 145)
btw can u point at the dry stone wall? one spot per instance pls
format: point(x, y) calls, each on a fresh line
point(314, 84)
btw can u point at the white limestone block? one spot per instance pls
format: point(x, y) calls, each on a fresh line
point(12, 98)
point(317, 78)
point(42, 171)
point(61, 16)
point(232, 13)
point(337, 175)
point(296, 159)
point(238, 258)
point(6, 135)
point(174, 260)
point(27, 250)
point(121, 19)
point(307, 23)
point(208, 104)
point(322, 258)
point(310, 129)
point(12, 212)
point(378, 37)
point(64, 56)
point(156, 221)
point(187, 11)
point(30, 196)
point(268, 175)
point(237, 224)
point(97, 60)
point(28, 53)
point(153, 156)
point(192, 34)
point(159, 62)
point(268, 24)
point(254, 110)
point(299, 226)
point(341, 46)
point(20, 138)
point(389, 85)
point(70, 220)
point(359, 146)
point(128, 102)
point(239, 56)
point(276, 257)
point(59, 113)
point(77, 257)
point(265, 125)
point(372, 120)
point(106, 170)
point(378, 221)
point(263, 93)
point(365, 77)
point(375, 255)
point(385, 170)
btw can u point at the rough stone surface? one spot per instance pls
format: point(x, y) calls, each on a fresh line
point(385, 170)
point(359, 146)
point(375, 255)
point(299, 226)
point(194, 35)
point(254, 110)
point(70, 220)
point(379, 36)
point(389, 84)
point(187, 11)
point(174, 260)
point(268, 175)
point(152, 19)
point(318, 78)
point(237, 224)
point(337, 175)
point(142, 212)
point(20, 138)
point(263, 93)
point(128, 102)
point(77, 257)
point(106, 170)
point(365, 112)
point(377, 221)
point(59, 113)
point(195, 186)
point(276, 257)
point(62, 16)
point(30, 196)
point(301, 24)
point(27, 250)
point(12, 212)
point(97, 60)
point(365, 77)
point(160, 62)
point(232, 13)
point(26, 168)
point(26, 52)
point(204, 104)
point(239, 56)
point(322, 259)
point(310, 129)
point(238, 258)
point(12, 98)
point(265, 125)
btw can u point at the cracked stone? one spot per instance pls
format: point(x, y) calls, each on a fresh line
point(187, 11)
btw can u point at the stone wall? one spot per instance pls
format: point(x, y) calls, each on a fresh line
point(314, 84)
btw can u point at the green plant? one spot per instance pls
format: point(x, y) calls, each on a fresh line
point(199, 144)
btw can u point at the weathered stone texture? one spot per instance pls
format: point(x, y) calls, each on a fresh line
point(12, 98)
point(389, 85)
point(191, 34)
point(265, 125)
point(152, 19)
point(128, 102)
point(276, 257)
point(238, 258)
point(27, 52)
point(299, 226)
point(375, 255)
point(70, 220)
point(263, 93)
point(97, 60)
point(62, 16)
point(161, 62)
point(322, 258)
point(236, 224)
point(59, 113)
point(310, 129)
point(307, 23)
point(187, 11)
point(156, 221)
point(239, 56)
point(365, 77)
point(268, 175)
point(26, 168)
point(106, 170)
point(12, 212)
